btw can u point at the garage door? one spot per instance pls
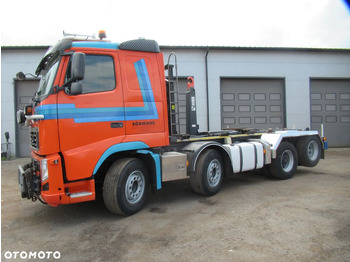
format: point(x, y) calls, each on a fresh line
point(252, 103)
point(330, 106)
point(24, 92)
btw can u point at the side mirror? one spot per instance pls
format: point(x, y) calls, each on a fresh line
point(78, 67)
point(76, 88)
point(20, 76)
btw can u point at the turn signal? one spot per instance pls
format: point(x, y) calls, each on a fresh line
point(28, 110)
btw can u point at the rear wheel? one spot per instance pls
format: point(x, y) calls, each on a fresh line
point(207, 178)
point(125, 186)
point(309, 151)
point(285, 165)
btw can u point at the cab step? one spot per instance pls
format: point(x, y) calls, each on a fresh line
point(80, 194)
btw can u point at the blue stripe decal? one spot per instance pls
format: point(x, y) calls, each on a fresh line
point(102, 114)
point(49, 111)
point(156, 159)
point(149, 110)
point(119, 148)
point(104, 45)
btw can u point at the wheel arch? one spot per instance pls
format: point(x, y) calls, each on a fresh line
point(122, 148)
point(129, 150)
point(195, 149)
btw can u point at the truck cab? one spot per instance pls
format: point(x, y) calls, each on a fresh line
point(95, 98)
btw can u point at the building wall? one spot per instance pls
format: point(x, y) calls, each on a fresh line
point(13, 61)
point(296, 67)
point(192, 63)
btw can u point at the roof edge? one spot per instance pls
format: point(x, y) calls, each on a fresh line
point(307, 49)
point(240, 48)
point(37, 47)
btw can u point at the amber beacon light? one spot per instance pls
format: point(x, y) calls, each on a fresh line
point(102, 34)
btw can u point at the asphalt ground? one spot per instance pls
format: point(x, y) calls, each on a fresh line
point(252, 218)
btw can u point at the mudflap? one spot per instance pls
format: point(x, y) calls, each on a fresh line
point(29, 182)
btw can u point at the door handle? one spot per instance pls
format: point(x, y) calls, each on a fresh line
point(117, 125)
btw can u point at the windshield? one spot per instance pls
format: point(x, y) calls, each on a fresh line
point(47, 79)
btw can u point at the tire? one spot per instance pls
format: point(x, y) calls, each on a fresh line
point(286, 163)
point(207, 178)
point(309, 151)
point(126, 186)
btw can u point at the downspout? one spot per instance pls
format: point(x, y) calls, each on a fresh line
point(207, 87)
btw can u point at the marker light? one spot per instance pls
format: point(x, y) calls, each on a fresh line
point(102, 34)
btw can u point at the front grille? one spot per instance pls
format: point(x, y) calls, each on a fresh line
point(34, 138)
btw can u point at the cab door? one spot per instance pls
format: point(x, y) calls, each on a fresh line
point(89, 123)
point(144, 98)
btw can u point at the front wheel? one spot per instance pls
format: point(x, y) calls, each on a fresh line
point(285, 164)
point(207, 178)
point(125, 186)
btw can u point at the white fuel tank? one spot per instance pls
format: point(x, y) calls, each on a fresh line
point(246, 156)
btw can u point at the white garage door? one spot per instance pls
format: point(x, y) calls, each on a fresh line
point(252, 103)
point(24, 93)
point(330, 106)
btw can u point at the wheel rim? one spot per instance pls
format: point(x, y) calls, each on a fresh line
point(312, 150)
point(135, 187)
point(214, 173)
point(287, 161)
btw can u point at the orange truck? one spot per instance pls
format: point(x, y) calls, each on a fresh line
point(105, 120)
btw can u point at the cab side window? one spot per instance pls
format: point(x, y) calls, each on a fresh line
point(99, 74)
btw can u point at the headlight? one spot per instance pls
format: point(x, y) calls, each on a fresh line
point(44, 170)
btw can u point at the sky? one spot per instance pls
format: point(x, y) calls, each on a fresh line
point(248, 23)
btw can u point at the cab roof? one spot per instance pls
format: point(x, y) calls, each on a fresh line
point(142, 45)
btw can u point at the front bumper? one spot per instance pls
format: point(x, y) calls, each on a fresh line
point(32, 185)
point(51, 188)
